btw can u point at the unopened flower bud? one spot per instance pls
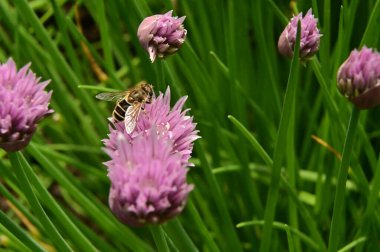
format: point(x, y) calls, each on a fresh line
point(161, 35)
point(310, 36)
point(359, 78)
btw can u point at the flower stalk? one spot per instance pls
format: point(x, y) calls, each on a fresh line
point(159, 238)
point(336, 229)
point(278, 155)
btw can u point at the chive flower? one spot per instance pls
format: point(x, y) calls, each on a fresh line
point(358, 78)
point(161, 35)
point(173, 124)
point(310, 36)
point(148, 167)
point(148, 182)
point(23, 103)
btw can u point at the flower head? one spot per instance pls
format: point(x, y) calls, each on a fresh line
point(148, 166)
point(171, 124)
point(161, 35)
point(310, 36)
point(148, 180)
point(359, 78)
point(23, 102)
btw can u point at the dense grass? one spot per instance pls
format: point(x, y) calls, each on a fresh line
point(273, 129)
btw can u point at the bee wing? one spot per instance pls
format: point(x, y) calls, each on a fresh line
point(131, 116)
point(111, 96)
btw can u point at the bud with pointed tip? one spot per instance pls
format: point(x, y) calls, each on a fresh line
point(359, 78)
point(310, 36)
point(161, 35)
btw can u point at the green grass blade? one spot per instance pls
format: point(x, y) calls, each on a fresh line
point(225, 219)
point(72, 79)
point(284, 227)
point(255, 144)
point(371, 34)
point(78, 238)
point(352, 244)
point(290, 239)
point(19, 167)
point(104, 33)
point(28, 241)
point(281, 142)
point(198, 222)
point(336, 222)
point(179, 236)
point(158, 234)
point(92, 206)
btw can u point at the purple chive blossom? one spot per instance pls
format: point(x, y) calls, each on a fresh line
point(148, 167)
point(148, 182)
point(310, 36)
point(171, 124)
point(359, 78)
point(23, 103)
point(161, 35)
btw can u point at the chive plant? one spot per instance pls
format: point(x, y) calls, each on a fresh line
point(266, 154)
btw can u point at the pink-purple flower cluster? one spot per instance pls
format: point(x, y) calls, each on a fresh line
point(310, 36)
point(161, 35)
point(148, 167)
point(23, 103)
point(148, 180)
point(358, 78)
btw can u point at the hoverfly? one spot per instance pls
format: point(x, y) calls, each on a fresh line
point(129, 103)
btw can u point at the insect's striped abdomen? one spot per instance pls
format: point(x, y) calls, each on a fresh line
point(119, 111)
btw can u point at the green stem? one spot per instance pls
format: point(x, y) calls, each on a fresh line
point(19, 233)
point(76, 235)
point(283, 226)
point(279, 152)
point(160, 75)
point(335, 230)
point(105, 37)
point(371, 205)
point(351, 245)
point(27, 189)
point(227, 226)
point(370, 36)
point(159, 238)
point(290, 239)
point(255, 144)
point(331, 105)
point(293, 174)
point(97, 212)
point(72, 79)
point(4, 191)
point(179, 235)
point(201, 226)
point(373, 197)
point(307, 217)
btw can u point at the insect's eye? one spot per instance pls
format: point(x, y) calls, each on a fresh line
point(151, 93)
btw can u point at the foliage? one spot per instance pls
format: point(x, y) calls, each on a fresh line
point(56, 190)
